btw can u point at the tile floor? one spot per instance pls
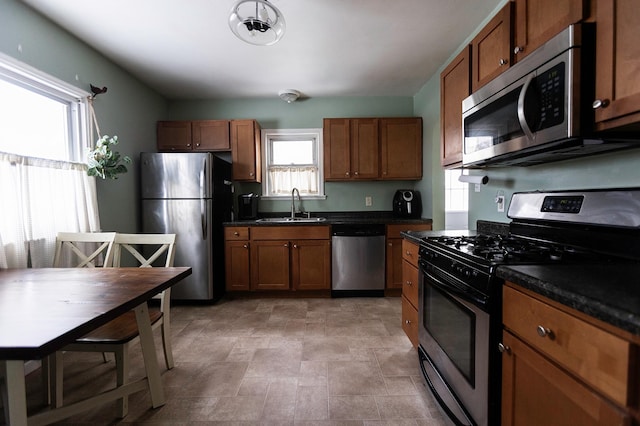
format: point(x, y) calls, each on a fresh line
point(273, 361)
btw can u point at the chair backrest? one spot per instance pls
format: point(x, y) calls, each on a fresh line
point(145, 249)
point(83, 249)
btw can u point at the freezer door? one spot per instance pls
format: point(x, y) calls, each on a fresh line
point(175, 175)
point(190, 220)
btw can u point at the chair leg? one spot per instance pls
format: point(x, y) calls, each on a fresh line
point(104, 357)
point(166, 345)
point(56, 374)
point(46, 380)
point(122, 367)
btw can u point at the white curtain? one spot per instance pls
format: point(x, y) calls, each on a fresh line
point(40, 198)
point(283, 178)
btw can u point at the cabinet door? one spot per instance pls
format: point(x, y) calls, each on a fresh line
point(394, 263)
point(492, 48)
point(401, 148)
point(410, 321)
point(211, 135)
point(617, 64)
point(245, 151)
point(311, 265)
point(537, 392)
point(337, 149)
point(173, 136)
point(537, 21)
point(270, 265)
point(237, 265)
point(365, 148)
point(455, 86)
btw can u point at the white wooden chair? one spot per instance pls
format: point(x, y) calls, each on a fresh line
point(118, 335)
point(84, 249)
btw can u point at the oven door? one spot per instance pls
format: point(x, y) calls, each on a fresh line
point(454, 339)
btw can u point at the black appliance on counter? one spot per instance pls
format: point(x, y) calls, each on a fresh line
point(248, 206)
point(459, 312)
point(407, 203)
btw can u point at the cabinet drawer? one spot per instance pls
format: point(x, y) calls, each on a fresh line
point(410, 283)
point(236, 233)
point(596, 356)
point(410, 321)
point(293, 232)
point(410, 252)
point(393, 231)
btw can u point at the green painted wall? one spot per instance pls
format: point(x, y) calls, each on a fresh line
point(308, 113)
point(129, 108)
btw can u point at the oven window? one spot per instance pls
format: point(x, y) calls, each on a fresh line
point(453, 327)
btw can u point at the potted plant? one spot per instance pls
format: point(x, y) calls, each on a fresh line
point(104, 162)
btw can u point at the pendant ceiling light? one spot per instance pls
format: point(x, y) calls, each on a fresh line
point(257, 22)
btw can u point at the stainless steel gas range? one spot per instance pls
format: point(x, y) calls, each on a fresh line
point(460, 299)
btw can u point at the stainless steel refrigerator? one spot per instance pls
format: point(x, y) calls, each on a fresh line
point(189, 194)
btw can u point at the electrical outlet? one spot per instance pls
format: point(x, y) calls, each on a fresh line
point(367, 201)
point(477, 187)
point(500, 203)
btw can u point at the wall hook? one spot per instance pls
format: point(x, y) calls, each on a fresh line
point(97, 91)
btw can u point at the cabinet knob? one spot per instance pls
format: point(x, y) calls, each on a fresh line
point(503, 62)
point(544, 332)
point(407, 322)
point(236, 233)
point(197, 144)
point(286, 244)
point(600, 103)
point(295, 246)
point(346, 174)
point(502, 348)
point(409, 283)
point(518, 49)
point(245, 246)
point(188, 145)
point(355, 173)
point(408, 253)
point(251, 174)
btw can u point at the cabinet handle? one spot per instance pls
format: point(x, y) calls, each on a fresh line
point(408, 253)
point(503, 62)
point(407, 322)
point(502, 348)
point(286, 244)
point(236, 233)
point(409, 283)
point(245, 246)
point(544, 332)
point(188, 145)
point(518, 49)
point(600, 103)
point(295, 246)
point(355, 173)
point(197, 144)
point(346, 174)
point(251, 174)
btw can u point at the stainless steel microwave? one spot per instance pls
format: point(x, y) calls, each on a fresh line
point(539, 110)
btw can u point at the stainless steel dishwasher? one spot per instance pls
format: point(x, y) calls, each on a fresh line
point(357, 260)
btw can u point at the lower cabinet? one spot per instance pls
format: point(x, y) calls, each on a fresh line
point(278, 258)
point(394, 251)
point(410, 286)
point(559, 369)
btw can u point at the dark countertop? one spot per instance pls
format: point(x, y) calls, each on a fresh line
point(608, 292)
point(334, 218)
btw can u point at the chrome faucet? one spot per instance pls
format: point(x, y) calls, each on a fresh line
point(293, 202)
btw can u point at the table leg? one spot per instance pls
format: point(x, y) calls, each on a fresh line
point(15, 394)
point(149, 355)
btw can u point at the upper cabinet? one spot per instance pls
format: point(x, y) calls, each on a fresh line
point(455, 85)
point(537, 21)
point(401, 146)
point(372, 148)
point(617, 99)
point(200, 135)
point(245, 151)
point(492, 48)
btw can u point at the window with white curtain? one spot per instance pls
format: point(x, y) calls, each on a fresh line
point(292, 159)
point(44, 187)
point(456, 201)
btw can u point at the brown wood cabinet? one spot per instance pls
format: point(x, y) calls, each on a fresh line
point(372, 148)
point(559, 368)
point(246, 162)
point(401, 148)
point(617, 99)
point(278, 258)
point(492, 48)
point(199, 135)
point(410, 286)
point(351, 148)
point(455, 86)
point(537, 21)
point(394, 252)
point(236, 252)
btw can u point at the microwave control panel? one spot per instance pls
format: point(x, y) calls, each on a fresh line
point(551, 89)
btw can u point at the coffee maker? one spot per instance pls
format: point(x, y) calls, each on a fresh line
point(407, 203)
point(248, 206)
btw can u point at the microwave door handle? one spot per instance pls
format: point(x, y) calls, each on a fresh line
point(521, 99)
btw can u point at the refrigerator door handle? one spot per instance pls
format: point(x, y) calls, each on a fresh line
point(203, 217)
point(203, 178)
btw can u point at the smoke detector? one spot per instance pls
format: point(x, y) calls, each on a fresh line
point(289, 95)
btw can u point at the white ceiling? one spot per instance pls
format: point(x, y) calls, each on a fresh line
point(185, 49)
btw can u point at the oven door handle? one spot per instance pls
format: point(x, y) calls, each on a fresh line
point(436, 394)
point(463, 293)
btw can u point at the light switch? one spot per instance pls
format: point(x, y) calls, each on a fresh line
point(367, 201)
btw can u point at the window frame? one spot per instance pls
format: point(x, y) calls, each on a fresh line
point(270, 135)
point(79, 126)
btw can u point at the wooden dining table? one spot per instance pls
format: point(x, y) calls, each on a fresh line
point(42, 310)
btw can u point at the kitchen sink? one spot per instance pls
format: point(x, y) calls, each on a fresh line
point(289, 219)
